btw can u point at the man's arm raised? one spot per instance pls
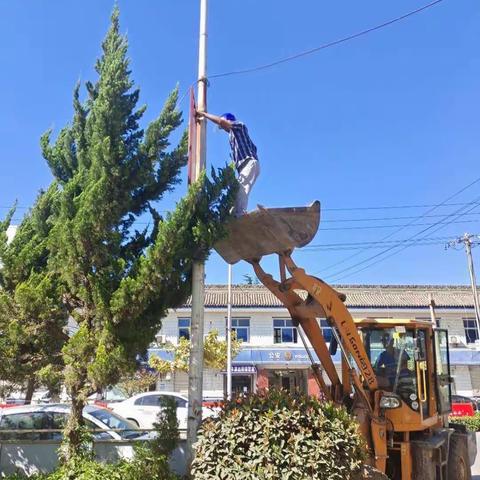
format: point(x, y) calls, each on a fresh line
point(221, 122)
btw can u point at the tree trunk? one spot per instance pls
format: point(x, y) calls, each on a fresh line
point(75, 445)
point(30, 390)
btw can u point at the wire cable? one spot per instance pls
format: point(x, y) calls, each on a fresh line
point(456, 214)
point(326, 45)
point(400, 228)
point(376, 242)
point(385, 219)
point(387, 207)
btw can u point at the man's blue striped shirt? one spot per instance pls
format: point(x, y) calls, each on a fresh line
point(241, 144)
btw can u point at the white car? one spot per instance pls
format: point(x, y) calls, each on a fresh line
point(31, 435)
point(143, 408)
point(54, 416)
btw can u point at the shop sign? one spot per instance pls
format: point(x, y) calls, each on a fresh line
point(282, 356)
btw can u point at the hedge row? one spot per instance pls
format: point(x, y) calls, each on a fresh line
point(472, 423)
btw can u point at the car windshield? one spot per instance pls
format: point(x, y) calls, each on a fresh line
point(392, 355)
point(114, 421)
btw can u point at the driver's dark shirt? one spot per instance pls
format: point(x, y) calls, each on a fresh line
point(385, 360)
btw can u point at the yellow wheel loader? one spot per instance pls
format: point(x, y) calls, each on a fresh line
point(395, 375)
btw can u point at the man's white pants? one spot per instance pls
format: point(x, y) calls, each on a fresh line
point(246, 179)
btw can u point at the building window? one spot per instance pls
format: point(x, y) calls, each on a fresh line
point(241, 326)
point(471, 332)
point(184, 328)
point(326, 330)
point(284, 331)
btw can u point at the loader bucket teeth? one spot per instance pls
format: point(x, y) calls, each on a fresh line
point(269, 230)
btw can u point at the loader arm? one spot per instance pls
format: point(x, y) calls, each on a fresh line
point(323, 301)
point(279, 231)
point(305, 315)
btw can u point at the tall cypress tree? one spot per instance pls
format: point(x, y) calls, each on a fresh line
point(117, 281)
point(33, 316)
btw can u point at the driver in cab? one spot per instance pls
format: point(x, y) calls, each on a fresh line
point(386, 363)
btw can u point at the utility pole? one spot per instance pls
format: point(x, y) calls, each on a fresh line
point(431, 305)
point(229, 334)
point(468, 240)
point(195, 373)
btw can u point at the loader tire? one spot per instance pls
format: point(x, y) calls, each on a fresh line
point(458, 462)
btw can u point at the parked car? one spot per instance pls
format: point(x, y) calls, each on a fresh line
point(54, 416)
point(28, 452)
point(463, 399)
point(143, 408)
point(106, 397)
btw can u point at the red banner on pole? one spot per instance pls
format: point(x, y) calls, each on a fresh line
point(192, 138)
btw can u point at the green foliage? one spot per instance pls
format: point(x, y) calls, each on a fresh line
point(32, 314)
point(118, 282)
point(278, 436)
point(250, 279)
point(166, 428)
point(214, 354)
point(144, 466)
point(137, 382)
point(78, 252)
point(472, 423)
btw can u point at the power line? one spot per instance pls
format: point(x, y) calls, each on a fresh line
point(381, 219)
point(411, 243)
point(312, 50)
point(430, 210)
point(457, 214)
point(326, 45)
point(377, 227)
point(373, 243)
point(386, 207)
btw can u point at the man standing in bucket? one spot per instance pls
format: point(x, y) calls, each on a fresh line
point(243, 153)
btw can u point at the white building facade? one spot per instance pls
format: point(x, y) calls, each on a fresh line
point(273, 354)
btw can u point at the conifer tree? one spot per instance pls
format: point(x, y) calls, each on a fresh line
point(117, 281)
point(33, 316)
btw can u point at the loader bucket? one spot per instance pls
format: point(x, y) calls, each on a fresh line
point(269, 230)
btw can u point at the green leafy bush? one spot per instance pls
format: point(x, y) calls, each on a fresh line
point(472, 423)
point(277, 435)
point(145, 466)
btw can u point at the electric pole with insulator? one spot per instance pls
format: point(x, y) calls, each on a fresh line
point(470, 241)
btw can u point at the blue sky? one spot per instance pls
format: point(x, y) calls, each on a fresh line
point(389, 119)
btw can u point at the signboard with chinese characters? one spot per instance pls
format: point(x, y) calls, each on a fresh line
point(266, 356)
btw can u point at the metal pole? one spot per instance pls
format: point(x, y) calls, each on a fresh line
point(229, 334)
point(195, 372)
point(468, 249)
point(433, 317)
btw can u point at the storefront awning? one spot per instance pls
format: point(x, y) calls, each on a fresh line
point(244, 369)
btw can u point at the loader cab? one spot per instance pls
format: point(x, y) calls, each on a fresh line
point(411, 361)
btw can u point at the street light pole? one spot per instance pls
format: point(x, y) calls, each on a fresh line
point(195, 372)
point(229, 334)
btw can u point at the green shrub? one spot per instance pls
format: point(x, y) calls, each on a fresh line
point(145, 466)
point(472, 423)
point(278, 436)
